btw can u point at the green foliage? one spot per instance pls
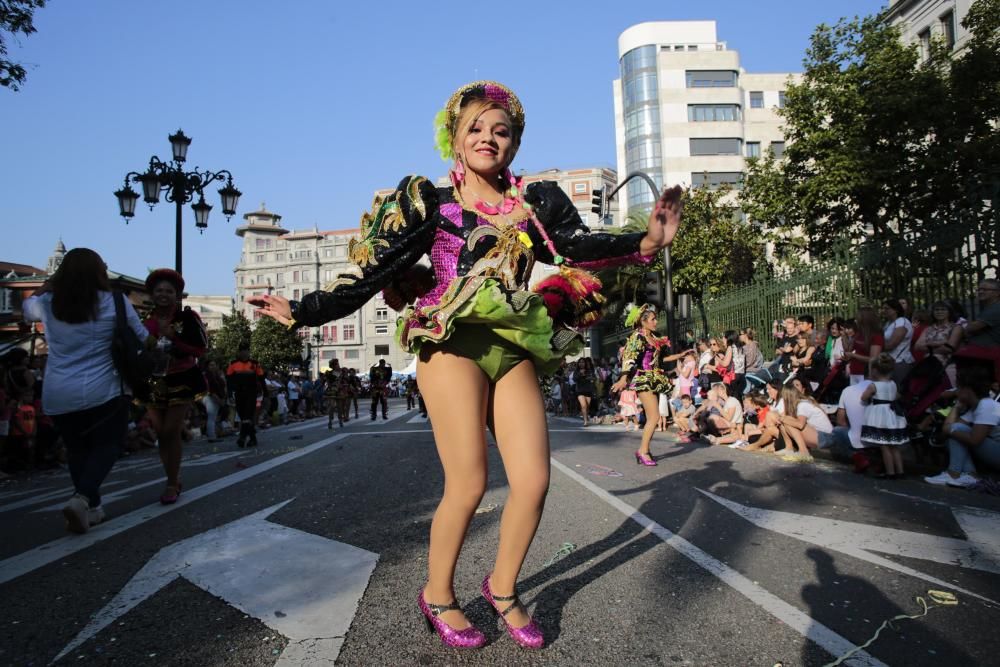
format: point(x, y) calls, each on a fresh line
point(274, 345)
point(714, 248)
point(225, 343)
point(882, 146)
point(16, 16)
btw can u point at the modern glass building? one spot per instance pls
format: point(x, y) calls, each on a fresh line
point(685, 110)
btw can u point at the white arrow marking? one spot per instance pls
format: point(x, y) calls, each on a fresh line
point(301, 585)
point(859, 540)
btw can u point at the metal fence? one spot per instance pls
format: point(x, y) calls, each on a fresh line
point(947, 266)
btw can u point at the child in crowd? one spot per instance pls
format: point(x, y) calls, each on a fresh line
point(556, 397)
point(629, 408)
point(882, 426)
point(683, 415)
point(282, 409)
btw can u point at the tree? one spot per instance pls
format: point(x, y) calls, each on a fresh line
point(882, 146)
point(16, 16)
point(274, 345)
point(226, 342)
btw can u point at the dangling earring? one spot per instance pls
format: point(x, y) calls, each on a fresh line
point(458, 172)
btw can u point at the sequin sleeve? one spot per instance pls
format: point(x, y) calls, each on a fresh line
point(630, 355)
point(572, 239)
point(394, 235)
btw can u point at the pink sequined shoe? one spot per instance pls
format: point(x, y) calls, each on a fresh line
point(644, 459)
point(530, 636)
point(470, 637)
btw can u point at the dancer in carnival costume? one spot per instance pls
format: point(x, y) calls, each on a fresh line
point(481, 336)
point(641, 365)
point(178, 382)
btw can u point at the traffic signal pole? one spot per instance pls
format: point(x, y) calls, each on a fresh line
point(667, 294)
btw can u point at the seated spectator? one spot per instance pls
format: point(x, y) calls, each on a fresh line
point(803, 424)
point(784, 331)
point(834, 349)
point(751, 351)
point(983, 333)
point(845, 443)
point(684, 413)
point(866, 344)
point(973, 430)
point(941, 338)
point(806, 324)
point(720, 415)
point(757, 410)
point(921, 320)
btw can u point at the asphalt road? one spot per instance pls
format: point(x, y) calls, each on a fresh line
point(715, 557)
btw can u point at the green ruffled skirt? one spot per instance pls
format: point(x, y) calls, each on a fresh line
point(496, 327)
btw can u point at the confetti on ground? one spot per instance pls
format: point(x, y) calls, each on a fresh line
point(566, 549)
point(602, 471)
point(485, 509)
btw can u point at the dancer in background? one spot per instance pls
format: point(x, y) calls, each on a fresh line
point(641, 361)
point(178, 382)
point(481, 335)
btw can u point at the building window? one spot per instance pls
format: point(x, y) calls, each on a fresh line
point(716, 146)
point(781, 99)
point(306, 276)
point(381, 330)
point(948, 28)
point(296, 294)
point(352, 354)
point(678, 47)
point(6, 300)
point(711, 78)
point(328, 354)
point(579, 188)
point(643, 57)
point(259, 258)
point(692, 47)
point(241, 280)
point(328, 275)
point(753, 149)
point(259, 280)
point(340, 251)
point(381, 350)
point(756, 99)
point(279, 279)
point(279, 256)
point(924, 39)
point(328, 252)
point(714, 179)
point(707, 113)
point(778, 148)
point(381, 314)
point(641, 121)
point(640, 88)
point(295, 276)
point(331, 337)
point(348, 333)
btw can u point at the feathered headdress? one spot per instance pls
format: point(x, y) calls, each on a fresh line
point(445, 119)
point(633, 313)
point(572, 297)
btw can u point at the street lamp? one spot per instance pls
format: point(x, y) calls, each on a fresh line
point(180, 187)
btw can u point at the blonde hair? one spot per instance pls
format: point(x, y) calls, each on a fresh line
point(470, 113)
point(791, 397)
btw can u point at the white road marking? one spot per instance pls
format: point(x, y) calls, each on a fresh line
point(304, 586)
point(859, 540)
point(62, 493)
point(418, 419)
point(28, 561)
point(794, 618)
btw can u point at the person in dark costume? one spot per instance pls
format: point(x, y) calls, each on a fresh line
point(481, 335)
point(378, 382)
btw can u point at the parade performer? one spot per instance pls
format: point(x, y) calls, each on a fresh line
point(245, 378)
point(178, 382)
point(378, 382)
point(641, 361)
point(481, 336)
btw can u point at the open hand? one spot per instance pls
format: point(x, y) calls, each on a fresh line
point(617, 387)
point(272, 306)
point(664, 221)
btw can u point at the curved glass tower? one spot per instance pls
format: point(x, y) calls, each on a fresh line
point(641, 110)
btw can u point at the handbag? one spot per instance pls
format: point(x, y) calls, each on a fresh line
point(131, 359)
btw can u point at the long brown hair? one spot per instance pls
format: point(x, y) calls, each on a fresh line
point(75, 286)
point(867, 323)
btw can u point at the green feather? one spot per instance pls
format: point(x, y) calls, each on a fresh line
point(442, 136)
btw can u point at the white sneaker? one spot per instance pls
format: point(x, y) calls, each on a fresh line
point(75, 511)
point(965, 480)
point(940, 479)
point(95, 515)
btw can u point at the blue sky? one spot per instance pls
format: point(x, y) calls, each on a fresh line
point(312, 105)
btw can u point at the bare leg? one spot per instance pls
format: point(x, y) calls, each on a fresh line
point(651, 406)
point(897, 456)
point(523, 441)
point(887, 460)
point(795, 436)
point(455, 391)
point(168, 424)
point(584, 408)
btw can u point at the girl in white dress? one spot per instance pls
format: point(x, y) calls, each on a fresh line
point(882, 427)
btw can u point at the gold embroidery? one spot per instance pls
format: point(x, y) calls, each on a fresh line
point(503, 259)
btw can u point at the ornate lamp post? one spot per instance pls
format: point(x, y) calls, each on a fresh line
point(180, 187)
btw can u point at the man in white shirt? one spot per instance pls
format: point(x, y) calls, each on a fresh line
point(845, 443)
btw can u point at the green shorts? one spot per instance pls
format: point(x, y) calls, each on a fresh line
point(496, 356)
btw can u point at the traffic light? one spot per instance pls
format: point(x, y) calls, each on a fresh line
point(597, 199)
point(653, 288)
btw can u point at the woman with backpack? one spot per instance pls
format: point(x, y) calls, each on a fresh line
point(82, 392)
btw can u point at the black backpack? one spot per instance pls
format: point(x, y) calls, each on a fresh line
point(129, 354)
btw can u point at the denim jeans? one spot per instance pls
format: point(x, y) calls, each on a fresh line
point(94, 439)
point(962, 457)
point(211, 413)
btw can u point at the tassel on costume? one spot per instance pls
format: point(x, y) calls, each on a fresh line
point(572, 297)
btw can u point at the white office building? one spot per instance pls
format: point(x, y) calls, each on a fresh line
point(686, 112)
point(920, 21)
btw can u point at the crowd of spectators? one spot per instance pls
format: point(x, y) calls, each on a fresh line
point(866, 388)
